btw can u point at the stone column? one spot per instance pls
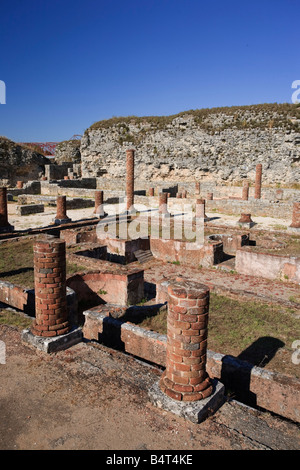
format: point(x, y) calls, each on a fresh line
point(200, 209)
point(245, 193)
point(50, 288)
point(61, 210)
point(258, 174)
point(4, 224)
point(99, 211)
point(129, 179)
point(163, 204)
point(151, 191)
point(296, 216)
point(185, 377)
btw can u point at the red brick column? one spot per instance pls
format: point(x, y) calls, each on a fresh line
point(163, 203)
point(151, 191)
point(61, 209)
point(185, 377)
point(200, 209)
point(50, 288)
point(3, 208)
point(210, 196)
point(129, 179)
point(245, 193)
point(197, 188)
point(258, 176)
point(99, 203)
point(296, 215)
point(19, 184)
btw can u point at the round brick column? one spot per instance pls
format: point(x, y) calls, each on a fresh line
point(163, 203)
point(129, 179)
point(210, 196)
point(61, 210)
point(296, 215)
point(258, 175)
point(245, 193)
point(200, 209)
point(19, 184)
point(185, 377)
point(197, 188)
point(151, 191)
point(3, 208)
point(50, 288)
point(99, 204)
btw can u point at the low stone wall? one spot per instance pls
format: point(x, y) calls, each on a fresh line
point(269, 266)
point(272, 391)
point(17, 297)
point(30, 209)
point(106, 287)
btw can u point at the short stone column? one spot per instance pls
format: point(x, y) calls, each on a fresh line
point(245, 221)
point(163, 204)
point(61, 211)
point(185, 377)
point(99, 211)
point(4, 224)
point(258, 177)
point(296, 217)
point(245, 192)
point(129, 179)
point(200, 209)
point(151, 192)
point(51, 316)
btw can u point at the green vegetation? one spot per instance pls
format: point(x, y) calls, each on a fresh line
point(16, 319)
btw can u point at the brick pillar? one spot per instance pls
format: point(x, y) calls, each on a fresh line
point(210, 196)
point(197, 188)
point(61, 210)
point(50, 288)
point(129, 179)
point(163, 204)
point(257, 193)
point(99, 204)
point(151, 191)
point(200, 209)
point(3, 208)
point(296, 215)
point(245, 193)
point(245, 220)
point(19, 184)
point(185, 377)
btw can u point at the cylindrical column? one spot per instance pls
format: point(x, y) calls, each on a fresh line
point(210, 196)
point(245, 193)
point(3, 208)
point(296, 215)
point(129, 179)
point(185, 377)
point(99, 203)
point(163, 203)
point(200, 209)
point(61, 210)
point(51, 315)
point(197, 188)
point(151, 191)
point(19, 184)
point(258, 175)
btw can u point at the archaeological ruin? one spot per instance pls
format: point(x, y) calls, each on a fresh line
point(109, 247)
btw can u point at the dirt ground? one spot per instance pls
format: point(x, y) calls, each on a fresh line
point(90, 397)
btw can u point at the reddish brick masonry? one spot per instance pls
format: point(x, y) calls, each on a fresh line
point(50, 288)
point(129, 179)
point(3, 208)
point(296, 215)
point(258, 175)
point(185, 377)
point(19, 184)
point(197, 188)
point(163, 203)
point(99, 203)
point(210, 196)
point(245, 193)
point(151, 191)
point(61, 210)
point(200, 209)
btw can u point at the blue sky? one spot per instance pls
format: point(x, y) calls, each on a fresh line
point(67, 64)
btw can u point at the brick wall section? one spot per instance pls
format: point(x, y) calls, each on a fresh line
point(296, 215)
point(50, 288)
point(3, 207)
point(258, 176)
point(185, 377)
point(129, 178)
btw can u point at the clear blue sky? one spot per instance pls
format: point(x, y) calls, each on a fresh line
point(67, 64)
